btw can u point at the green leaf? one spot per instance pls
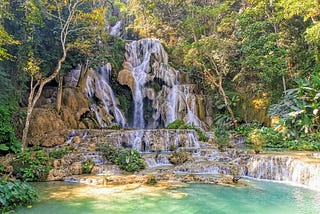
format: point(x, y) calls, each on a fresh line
point(3, 147)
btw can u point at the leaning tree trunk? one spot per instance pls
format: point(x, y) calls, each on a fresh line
point(27, 123)
point(226, 102)
point(59, 94)
point(218, 84)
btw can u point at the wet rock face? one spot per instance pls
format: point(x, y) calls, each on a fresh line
point(155, 140)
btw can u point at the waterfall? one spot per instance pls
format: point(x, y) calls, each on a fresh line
point(172, 105)
point(296, 169)
point(191, 105)
point(138, 56)
point(148, 65)
point(97, 87)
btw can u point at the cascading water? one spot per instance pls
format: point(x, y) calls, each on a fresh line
point(190, 100)
point(160, 140)
point(297, 169)
point(157, 160)
point(97, 86)
point(138, 57)
point(154, 79)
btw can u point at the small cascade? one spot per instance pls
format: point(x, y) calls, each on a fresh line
point(203, 167)
point(160, 140)
point(153, 80)
point(156, 160)
point(191, 105)
point(300, 170)
point(97, 87)
point(96, 158)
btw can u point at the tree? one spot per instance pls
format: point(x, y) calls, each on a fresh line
point(5, 37)
point(38, 81)
point(212, 55)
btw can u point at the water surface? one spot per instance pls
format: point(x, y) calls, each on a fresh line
point(258, 197)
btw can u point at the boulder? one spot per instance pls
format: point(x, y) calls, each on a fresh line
point(44, 121)
point(125, 78)
point(74, 99)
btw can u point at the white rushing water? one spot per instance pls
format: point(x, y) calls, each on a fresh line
point(148, 63)
point(97, 87)
point(156, 140)
point(292, 169)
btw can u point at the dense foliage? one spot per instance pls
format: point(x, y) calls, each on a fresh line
point(31, 165)
point(8, 142)
point(14, 194)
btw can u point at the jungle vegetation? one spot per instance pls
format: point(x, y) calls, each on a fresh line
point(257, 59)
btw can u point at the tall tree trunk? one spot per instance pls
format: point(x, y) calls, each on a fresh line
point(27, 123)
point(59, 94)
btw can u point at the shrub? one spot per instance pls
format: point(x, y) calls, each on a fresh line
point(109, 151)
point(8, 142)
point(14, 194)
point(272, 138)
point(179, 157)
point(127, 159)
point(87, 166)
point(31, 166)
point(221, 136)
point(245, 129)
point(180, 124)
point(115, 126)
point(59, 153)
point(151, 180)
point(256, 137)
point(177, 124)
